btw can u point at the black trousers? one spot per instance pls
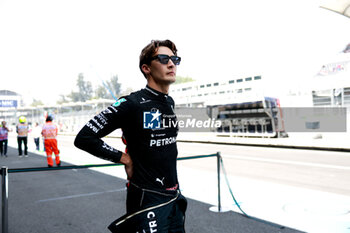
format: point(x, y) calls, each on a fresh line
point(37, 142)
point(3, 147)
point(24, 141)
point(151, 211)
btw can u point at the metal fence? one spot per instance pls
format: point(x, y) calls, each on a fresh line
point(5, 176)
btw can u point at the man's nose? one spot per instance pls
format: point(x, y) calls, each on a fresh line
point(171, 63)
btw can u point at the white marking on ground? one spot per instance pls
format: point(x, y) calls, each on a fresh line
point(81, 195)
point(287, 162)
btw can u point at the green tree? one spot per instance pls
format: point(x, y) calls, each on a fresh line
point(74, 96)
point(62, 100)
point(36, 103)
point(85, 90)
point(110, 86)
point(180, 79)
point(101, 92)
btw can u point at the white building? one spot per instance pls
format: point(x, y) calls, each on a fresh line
point(329, 87)
point(332, 83)
point(10, 99)
point(235, 90)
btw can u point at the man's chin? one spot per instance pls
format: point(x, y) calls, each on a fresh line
point(169, 80)
point(172, 80)
point(166, 81)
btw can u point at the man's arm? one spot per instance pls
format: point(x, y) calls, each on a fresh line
point(110, 119)
point(89, 140)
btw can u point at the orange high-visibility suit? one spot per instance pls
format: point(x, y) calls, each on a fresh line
point(49, 132)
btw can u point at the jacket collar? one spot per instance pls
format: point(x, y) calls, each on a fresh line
point(156, 93)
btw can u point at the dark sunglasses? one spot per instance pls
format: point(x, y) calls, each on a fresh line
point(164, 59)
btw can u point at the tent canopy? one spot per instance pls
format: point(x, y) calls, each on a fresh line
point(339, 6)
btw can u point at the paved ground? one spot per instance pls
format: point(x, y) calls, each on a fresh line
point(83, 200)
point(314, 141)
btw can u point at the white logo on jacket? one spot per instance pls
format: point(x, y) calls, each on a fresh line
point(160, 181)
point(151, 120)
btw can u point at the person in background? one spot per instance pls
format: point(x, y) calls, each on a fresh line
point(22, 136)
point(49, 132)
point(36, 132)
point(3, 138)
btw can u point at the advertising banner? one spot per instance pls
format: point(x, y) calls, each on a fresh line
point(8, 103)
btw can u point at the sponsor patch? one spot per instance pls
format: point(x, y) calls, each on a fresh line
point(162, 142)
point(151, 120)
point(116, 104)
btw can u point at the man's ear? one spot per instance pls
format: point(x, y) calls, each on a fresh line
point(146, 69)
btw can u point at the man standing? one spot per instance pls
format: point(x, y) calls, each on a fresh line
point(36, 133)
point(154, 202)
point(49, 132)
point(3, 138)
point(22, 136)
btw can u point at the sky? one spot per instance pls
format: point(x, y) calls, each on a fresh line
point(45, 44)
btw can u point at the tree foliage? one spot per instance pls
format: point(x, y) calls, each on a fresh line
point(101, 92)
point(63, 99)
point(85, 88)
point(36, 103)
point(109, 90)
point(85, 91)
point(180, 79)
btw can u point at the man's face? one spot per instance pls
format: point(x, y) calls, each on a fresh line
point(163, 73)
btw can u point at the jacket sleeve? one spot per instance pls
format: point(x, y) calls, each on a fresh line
point(110, 119)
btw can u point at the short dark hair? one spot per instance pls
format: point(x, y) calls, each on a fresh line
point(49, 118)
point(148, 52)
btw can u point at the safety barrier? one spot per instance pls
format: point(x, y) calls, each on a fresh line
point(5, 171)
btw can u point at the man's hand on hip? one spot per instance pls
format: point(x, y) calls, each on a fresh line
point(126, 160)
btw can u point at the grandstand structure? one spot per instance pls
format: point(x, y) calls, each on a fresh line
point(332, 82)
point(204, 93)
point(70, 117)
point(10, 99)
